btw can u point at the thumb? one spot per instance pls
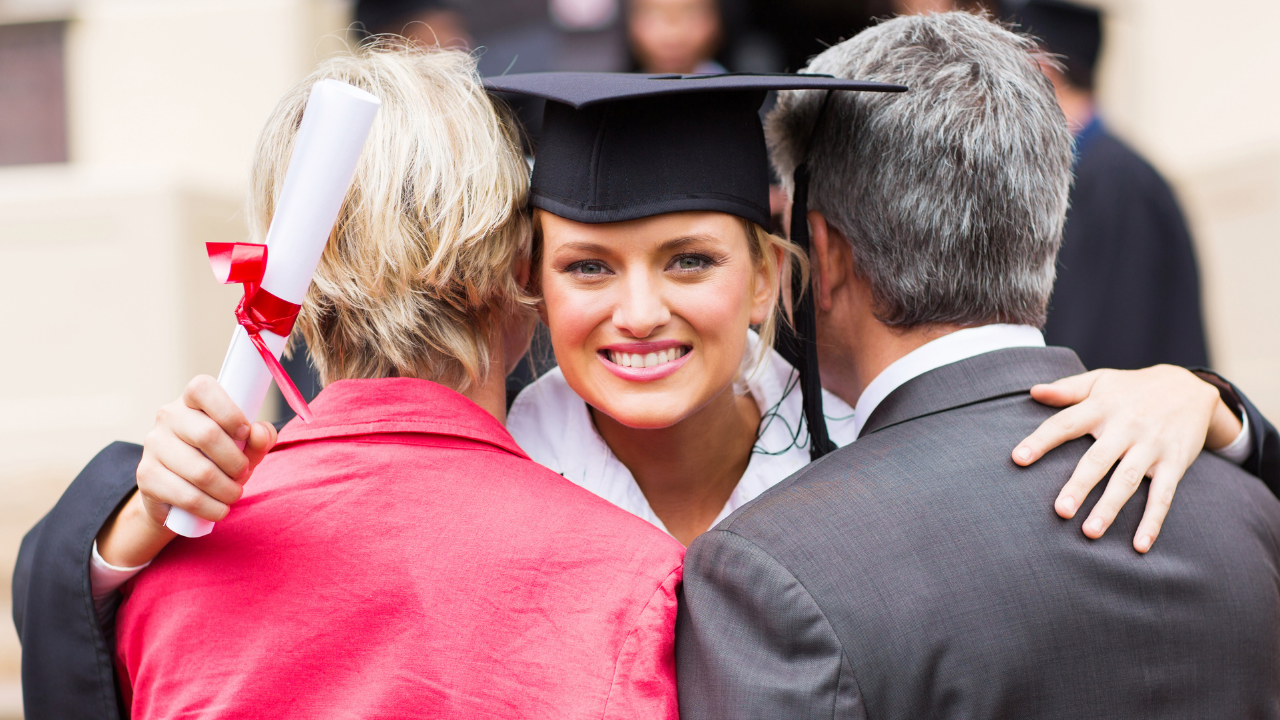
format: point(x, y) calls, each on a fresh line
point(262, 437)
point(1067, 391)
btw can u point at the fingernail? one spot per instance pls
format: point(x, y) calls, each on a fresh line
point(1067, 504)
point(1144, 543)
point(242, 432)
point(1094, 525)
point(1023, 453)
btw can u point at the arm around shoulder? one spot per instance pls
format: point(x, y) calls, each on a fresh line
point(67, 669)
point(1263, 460)
point(751, 642)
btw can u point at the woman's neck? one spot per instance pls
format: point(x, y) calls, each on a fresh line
point(688, 471)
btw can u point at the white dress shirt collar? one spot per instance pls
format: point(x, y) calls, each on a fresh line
point(950, 348)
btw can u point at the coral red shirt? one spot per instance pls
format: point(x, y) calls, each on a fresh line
point(401, 557)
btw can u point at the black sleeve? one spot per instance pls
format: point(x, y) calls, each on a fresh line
point(67, 665)
point(1264, 455)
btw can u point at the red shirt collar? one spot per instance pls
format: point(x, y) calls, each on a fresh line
point(396, 405)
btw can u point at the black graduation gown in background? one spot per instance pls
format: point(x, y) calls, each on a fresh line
point(1128, 291)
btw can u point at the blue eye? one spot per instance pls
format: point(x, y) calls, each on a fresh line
point(587, 267)
point(692, 262)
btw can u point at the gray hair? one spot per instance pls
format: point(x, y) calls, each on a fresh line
point(953, 195)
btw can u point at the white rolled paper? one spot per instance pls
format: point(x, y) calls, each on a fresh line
point(334, 127)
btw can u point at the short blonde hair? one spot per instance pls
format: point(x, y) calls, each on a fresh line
point(418, 273)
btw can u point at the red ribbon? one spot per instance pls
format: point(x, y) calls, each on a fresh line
point(259, 310)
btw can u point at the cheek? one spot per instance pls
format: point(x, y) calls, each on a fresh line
point(720, 313)
point(572, 313)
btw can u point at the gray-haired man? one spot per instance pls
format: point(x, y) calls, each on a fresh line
point(844, 591)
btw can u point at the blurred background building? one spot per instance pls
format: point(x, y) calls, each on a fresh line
point(127, 128)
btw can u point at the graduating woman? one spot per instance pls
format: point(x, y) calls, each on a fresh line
point(653, 265)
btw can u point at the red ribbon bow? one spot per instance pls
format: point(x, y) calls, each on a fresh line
point(259, 310)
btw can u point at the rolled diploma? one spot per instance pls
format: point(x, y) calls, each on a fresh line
point(334, 127)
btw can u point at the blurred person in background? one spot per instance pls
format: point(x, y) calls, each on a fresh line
point(675, 36)
point(426, 22)
point(1128, 288)
point(920, 7)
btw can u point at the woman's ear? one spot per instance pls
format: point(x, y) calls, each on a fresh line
point(522, 273)
point(766, 286)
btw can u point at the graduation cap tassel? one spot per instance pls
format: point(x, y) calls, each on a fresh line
point(800, 346)
point(803, 341)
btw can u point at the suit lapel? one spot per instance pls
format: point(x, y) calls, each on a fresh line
point(974, 380)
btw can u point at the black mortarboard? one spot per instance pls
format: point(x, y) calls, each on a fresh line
point(620, 146)
point(1066, 29)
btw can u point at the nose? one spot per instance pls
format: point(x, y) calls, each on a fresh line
point(641, 308)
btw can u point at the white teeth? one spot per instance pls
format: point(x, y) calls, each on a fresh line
point(647, 360)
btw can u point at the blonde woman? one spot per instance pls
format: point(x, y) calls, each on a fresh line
point(399, 556)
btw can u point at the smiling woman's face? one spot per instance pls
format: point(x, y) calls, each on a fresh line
point(649, 317)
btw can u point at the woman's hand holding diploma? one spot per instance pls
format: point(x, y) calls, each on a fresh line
point(191, 459)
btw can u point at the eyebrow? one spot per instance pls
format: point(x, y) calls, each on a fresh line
point(667, 246)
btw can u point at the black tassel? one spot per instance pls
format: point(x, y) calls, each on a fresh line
point(800, 346)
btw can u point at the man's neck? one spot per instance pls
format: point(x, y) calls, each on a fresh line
point(878, 346)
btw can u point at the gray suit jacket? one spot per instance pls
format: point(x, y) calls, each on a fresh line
point(919, 573)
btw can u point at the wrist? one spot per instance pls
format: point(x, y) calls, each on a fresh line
point(132, 537)
point(1224, 427)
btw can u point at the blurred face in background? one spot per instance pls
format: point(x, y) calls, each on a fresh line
point(437, 28)
point(673, 36)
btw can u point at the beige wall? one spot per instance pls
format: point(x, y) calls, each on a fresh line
point(111, 306)
point(1196, 87)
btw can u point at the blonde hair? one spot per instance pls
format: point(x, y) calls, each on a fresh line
point(764, 247)
point(418, 273)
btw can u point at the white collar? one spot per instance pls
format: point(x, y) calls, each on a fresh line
point(553, 425)
point(950, 348)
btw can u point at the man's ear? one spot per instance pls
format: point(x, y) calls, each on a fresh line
point(828, 263)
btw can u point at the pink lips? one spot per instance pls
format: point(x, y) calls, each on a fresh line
point(657, 372)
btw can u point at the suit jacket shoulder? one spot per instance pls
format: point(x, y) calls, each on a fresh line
point(953, 590)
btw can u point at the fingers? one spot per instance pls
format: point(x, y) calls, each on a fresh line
point(1093, 466)
point(1067, 391)
point(205, 394)
point(1076, 421)
point(1124, 482)
point(177, 457)
point(198, 430)
point(161, 488)
point(1164, 483)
